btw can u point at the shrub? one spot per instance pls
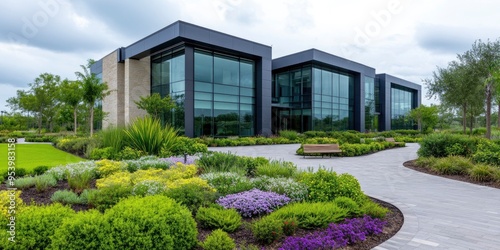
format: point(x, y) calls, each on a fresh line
point(267, 229)
point(219, 162)
point(254, 202)
point(117, 179)
point(192, 196)
point(488, 152)
point(24, 182)
point(66, 197)
point(43, 182)
point(311, 215)
point(452, 165)
point(85, 230)
point(107, 197)
point(80, 181)
point(184, 145)
point(289, 134)
point(374, 210)
point(84, 196)
point(218, 240)
point(216, 218)
point(107, 167)
point(151, 222)
point(294, 190)
point(72, 169)
point(40, 170)
point(147, 162)
point(277, 169)
point(197, 181)
point(5, 202)
point(227, 183)
point(351, 206)
point(150, 136)
point(35, 225)
point(442, 145)
point(128, 153)
point(326, 185)
point(148, 187)
point(18, 173)
point(337, 235)
point(75, 145)
point(102, 153)
point(426, 162)
point(482, 173)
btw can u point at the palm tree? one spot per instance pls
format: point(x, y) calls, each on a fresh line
point(93, 90)
point(71, 94)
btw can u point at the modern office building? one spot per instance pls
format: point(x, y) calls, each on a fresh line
point(228, 86)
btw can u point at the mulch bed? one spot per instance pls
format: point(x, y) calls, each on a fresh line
point(465, 178)
point(243, 236)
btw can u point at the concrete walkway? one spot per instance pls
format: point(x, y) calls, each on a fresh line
point(439, 213)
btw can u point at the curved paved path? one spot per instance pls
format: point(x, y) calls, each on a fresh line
point(439, 213)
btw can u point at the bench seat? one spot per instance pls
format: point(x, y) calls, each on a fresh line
point(321, 149)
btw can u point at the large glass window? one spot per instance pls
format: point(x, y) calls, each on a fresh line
point(371, 117)
point(401, 104)
point(294, 90)
point(224, 94)
point(333, 98)
point(167, 79)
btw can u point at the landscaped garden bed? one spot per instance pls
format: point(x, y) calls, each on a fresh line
point(470, 159)
point(227, 200)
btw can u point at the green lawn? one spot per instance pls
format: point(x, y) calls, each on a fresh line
point(29, 156)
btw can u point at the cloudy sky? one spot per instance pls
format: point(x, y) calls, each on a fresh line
point(404, 38)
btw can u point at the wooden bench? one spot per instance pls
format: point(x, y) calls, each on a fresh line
point(391, 140)
point(321, 149)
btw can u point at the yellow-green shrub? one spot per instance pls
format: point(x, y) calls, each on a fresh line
point(5, 202)
point(108, 167)
point(118, 178)
point(181, 171)
point(151, 174)
point(197, 181)
point(36, 224)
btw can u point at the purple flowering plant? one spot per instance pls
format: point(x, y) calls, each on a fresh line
point(337, 235)
point(254, 202)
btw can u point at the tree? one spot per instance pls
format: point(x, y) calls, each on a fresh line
point(484, 59)
point(426, 117)
point(457, 86)
point(71, 93)
point(93, 90)
point(42, 99)
point(154, 105)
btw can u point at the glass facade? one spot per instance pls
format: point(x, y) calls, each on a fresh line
point(167, 78)
point(292, 93)
point(312, 98)
point(371, 104)
point(402, 101)
point(224, 95)
point(333, 100)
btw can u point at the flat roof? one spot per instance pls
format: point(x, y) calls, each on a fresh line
point(321, 57)
point(186, 32)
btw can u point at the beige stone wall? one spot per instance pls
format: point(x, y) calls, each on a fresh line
point(137, 84)
point(113, 104)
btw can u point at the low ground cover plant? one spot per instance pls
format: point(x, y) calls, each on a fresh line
point(254, 202)
point(337, 235)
